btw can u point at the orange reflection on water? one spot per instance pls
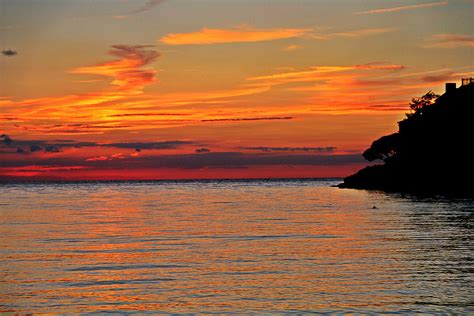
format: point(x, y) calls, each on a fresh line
point(206, 246)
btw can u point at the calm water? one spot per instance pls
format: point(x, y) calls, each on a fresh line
point(238, 247)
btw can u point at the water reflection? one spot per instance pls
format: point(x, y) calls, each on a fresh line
point(231, 247)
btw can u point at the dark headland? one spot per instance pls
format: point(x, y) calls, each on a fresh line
point(433, 151)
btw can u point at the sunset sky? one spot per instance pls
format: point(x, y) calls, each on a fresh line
point(181, 89)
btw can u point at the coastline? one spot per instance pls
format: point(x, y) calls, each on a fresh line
point(430, 152)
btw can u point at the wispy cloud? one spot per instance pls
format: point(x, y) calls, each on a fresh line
point(292, 149)
point(291, 48)
point(207, 36)
point(346, 88)
point(362, 32)
point(202, 150)
point(149, 114)
point(186, 161)
point(450, 41)
point(130, 73)
point(249, 119)
point(40, 156)
point(242, 34)
point(404, 8)
point(151, 145)
point(121, 106)
point(315, 73)
point(107, 158)
point(127, 70)
point(150, 4)
point(9, 52)
point(32, 146)
point(100, 158)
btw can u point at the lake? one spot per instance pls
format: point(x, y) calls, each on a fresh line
point(255, 246)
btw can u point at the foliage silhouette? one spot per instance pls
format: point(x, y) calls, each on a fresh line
point(420, 104)
point(383, 148)
point(431, 152)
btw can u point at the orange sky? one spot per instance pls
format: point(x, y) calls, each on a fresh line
point(205, 89)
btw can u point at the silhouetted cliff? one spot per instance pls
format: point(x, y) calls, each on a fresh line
point(431, 153)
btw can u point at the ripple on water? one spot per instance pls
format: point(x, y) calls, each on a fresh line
point(232, 247)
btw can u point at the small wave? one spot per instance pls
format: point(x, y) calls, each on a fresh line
point(127, 267)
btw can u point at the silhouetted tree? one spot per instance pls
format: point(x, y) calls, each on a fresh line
point(418, 104)
point(383, 148)
point(431, 153)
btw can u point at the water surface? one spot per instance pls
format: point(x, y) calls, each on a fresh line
point(238, 247)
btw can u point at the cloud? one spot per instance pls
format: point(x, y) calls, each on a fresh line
point(450, 41)
point(150, 4)
point(35, 169)
point(39, 159)
point(150, 145)
point(290, 149)
point(249, 119)
point(387, 107)
point(352, 34)
point(9, 52)
point(130, 73)
point(291, 48)
point(93, 113)
point(107, 158)
point(441, 77)
point(77, 128)
point(191, 161)
point(201, 158)
point(233, 159)
point(6, 139)
point(243, 34)
point(34, 148)
point(202, 150)
point(345, 88)
point(127, 71)
point(404, 8)
point(362, 32)
point(321, 72)
point(9, 118)
point(148, 114)
point(23, 146)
